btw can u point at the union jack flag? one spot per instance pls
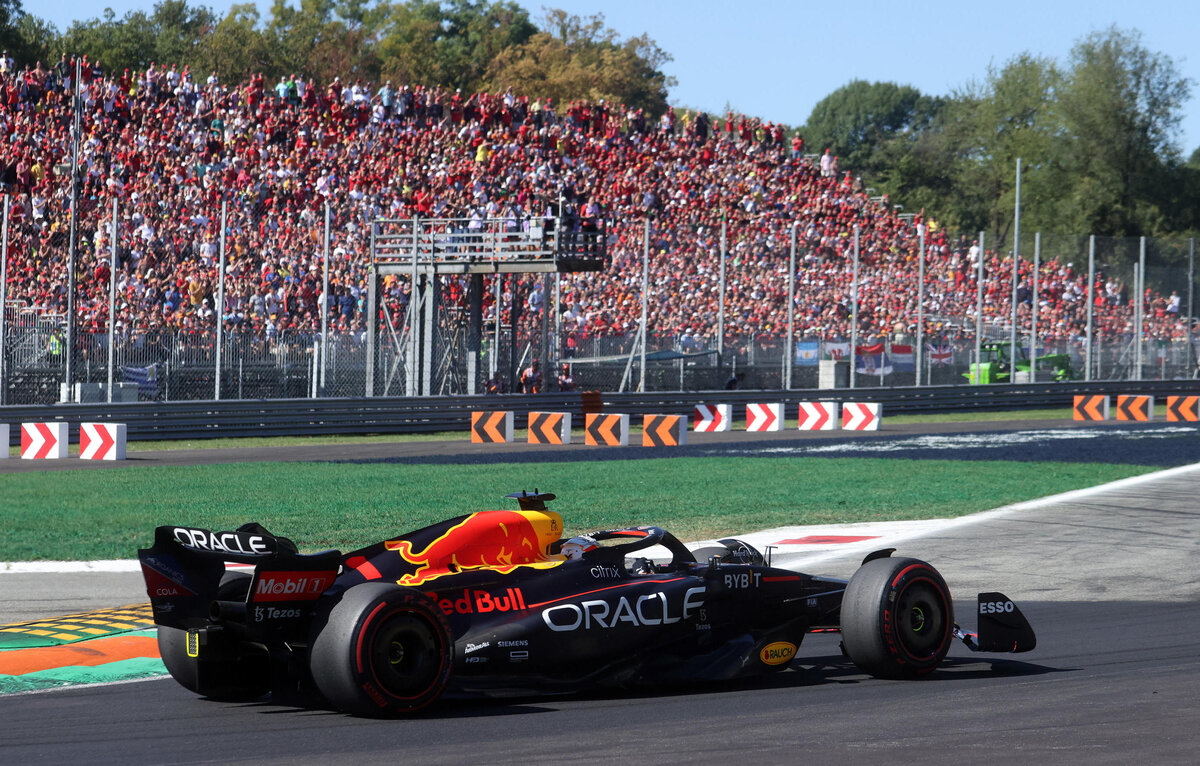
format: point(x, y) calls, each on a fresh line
point(939, 356)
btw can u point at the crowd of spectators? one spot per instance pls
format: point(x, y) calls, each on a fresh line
point(168, 147)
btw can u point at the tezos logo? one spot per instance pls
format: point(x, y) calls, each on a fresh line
point(271, 613)
point(996, 607)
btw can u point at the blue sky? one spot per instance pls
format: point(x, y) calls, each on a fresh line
point(777, 59)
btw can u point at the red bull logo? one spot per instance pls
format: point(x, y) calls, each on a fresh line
point(481, 602)
point(499, 540)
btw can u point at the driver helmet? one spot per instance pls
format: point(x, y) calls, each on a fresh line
point(577, 546)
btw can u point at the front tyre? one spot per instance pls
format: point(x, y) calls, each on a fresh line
point(384, 650)
point(897, 618)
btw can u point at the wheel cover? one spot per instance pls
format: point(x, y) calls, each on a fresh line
point(406, 655)
point(921, 623)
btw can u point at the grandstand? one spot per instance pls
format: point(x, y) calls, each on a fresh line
point(170, 150)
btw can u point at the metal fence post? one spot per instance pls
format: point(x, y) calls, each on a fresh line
point(920, 304)
point(1037, 257)
point(76, 107)
point(4, 305)
point(721, 302)
point(1091, 306)
point(979, 305)
point(789, 348)
point(1191, 311)
point(645, 300)
point(1016, 254)
point(854, 314)
point(494, 354)
point(411, 382)
point(372, 319)
point(218, 337)
point(1139, 282)
point(325, 305)
point(112, 300)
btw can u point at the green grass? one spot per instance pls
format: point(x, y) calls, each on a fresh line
point(72, 515)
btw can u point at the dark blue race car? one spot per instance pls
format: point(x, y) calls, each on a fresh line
point(500, 602)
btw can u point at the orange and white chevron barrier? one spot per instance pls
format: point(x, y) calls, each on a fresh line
point(488, 427)
point(549, 428)
point(1183, 409)
point(102, 441)
point(1091, 407)
point(606, 430)
point(664, 430)
point(1135, 407)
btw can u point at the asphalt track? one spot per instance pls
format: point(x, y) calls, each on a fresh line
point(1109, 580)
point(1159, 444)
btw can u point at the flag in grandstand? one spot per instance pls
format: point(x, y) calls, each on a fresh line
point(939, 356)
point(808, 353)
point(873, 361)
point(902, 358)
point(145, 377)
point(837, 351)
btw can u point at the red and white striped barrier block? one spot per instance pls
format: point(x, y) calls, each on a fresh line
point(5, 431)
point(43, 441)
point(102, 441)
point(861, 416)
point(713, 417)
point(818, 416)
point(764, 417)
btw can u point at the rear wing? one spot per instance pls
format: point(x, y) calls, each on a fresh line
point(185, 566)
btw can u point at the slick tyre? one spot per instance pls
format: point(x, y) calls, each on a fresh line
point(897, 618)
point(228, 671)
point(383, 651)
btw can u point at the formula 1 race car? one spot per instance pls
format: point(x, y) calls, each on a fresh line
point(498, 601)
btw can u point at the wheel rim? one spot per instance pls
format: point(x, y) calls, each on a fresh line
point(921, 620)
point(406, 655)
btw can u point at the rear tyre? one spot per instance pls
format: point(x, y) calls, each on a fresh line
point(897, 618)
point(229, 671)
point(384, 651)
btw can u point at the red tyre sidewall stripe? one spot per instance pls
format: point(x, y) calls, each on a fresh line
point(939, 588)
point(358, 646)
point(368, 628)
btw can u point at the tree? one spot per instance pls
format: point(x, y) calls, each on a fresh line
point(451, 44)
point(38, 40)
point(574, 57)
point(10, 22)
point(1120, 111)
point(236, 48)
point(858, 119)
point(992, 125)
point(170, 33)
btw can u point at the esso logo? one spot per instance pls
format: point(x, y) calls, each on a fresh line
point(996, 607)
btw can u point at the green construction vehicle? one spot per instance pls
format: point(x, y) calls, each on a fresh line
point(996, 364)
